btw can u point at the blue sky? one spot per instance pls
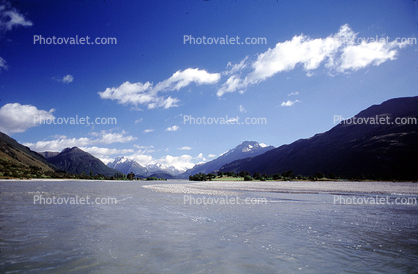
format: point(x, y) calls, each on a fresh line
point(319, 60)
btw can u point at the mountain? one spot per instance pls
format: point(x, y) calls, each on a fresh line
point(244, 150)
point(127, 166)
point(49, 154)
point(76, 161)
point(158, 168)
point(385, 150)
point(14, 153)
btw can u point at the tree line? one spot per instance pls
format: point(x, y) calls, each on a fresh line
point(285, 176)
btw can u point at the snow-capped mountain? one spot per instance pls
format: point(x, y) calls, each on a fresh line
point(126, 165)
point(153, 168)
point(247, 146)
point(244, 150)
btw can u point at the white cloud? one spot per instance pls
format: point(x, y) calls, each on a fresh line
point(235, 68)
point(10, 17)
point(233, 84)
point(184, 148)
point(101, 152)
point(138, 121)
point(211, 155)
point(233, 120)
point(136, 108)
point(16, 118)
point(144, 149)
point(242, 109)
point(103, 137)
point(173, 128)
point(142, 159)
point(289, 103)
point(182, 162)
point(339, 52)
point(293, 93)
point(3, 64)
point(355, 57)
point(147, 94)
point(67, 79)
point(148, 130)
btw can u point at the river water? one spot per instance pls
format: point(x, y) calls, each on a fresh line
point(153, 232)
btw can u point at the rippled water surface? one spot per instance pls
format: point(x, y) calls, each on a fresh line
point(152, 232)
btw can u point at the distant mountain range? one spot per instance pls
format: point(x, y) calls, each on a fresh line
point(126, 165)
point(350, 150)
point(379, 150)
point(244, 150)
point(76, 161)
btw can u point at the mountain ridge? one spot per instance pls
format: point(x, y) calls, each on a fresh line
point(348, 150)
point(243, 150)
point(14, 152)
point(76, 161)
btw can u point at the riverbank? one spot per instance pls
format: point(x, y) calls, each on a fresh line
point(234, 187)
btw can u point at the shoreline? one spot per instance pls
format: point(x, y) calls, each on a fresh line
point(331, 187)
point(236, 187)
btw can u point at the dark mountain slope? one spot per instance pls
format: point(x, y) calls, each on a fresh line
point(76, 161)
point(386, 150)
point(13, 152)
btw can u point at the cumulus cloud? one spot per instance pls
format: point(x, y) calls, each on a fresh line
point(15, 118)
point(147, 93)
point(289, 103)
point(142, 159)
point(211, 155)
point(148, 130)
point(103, 137)
point(182, 162)
point(173, 128)
point(341, 52)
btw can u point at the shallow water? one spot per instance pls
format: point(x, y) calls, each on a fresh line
point(152, 232)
